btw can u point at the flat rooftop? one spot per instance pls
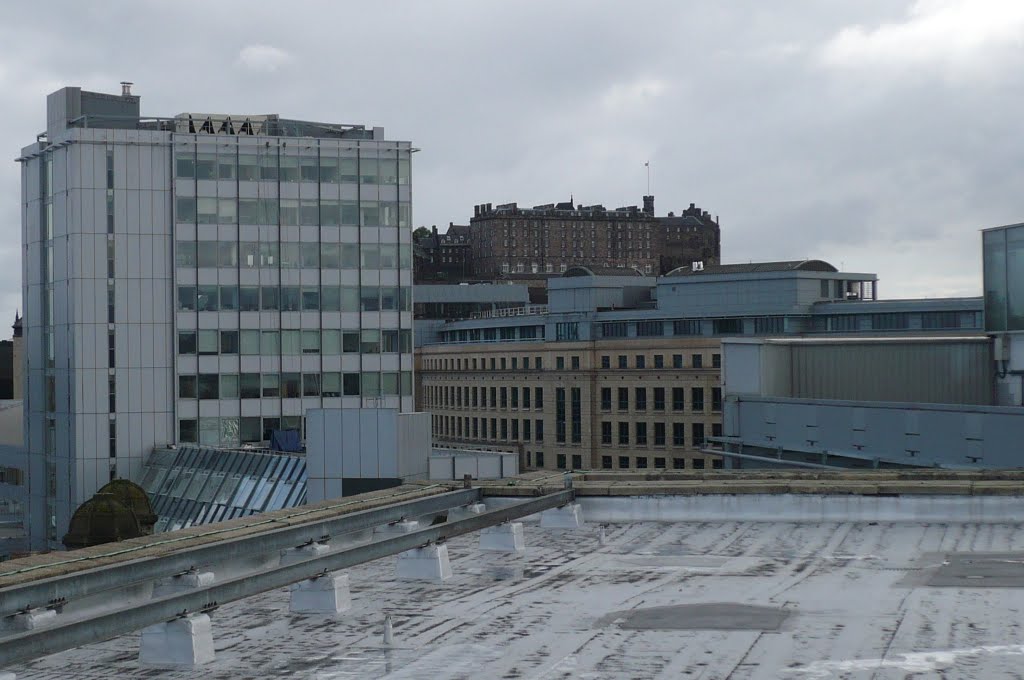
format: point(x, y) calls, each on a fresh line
point(711, 598)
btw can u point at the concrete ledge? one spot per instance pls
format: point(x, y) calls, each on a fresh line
point(798, 508)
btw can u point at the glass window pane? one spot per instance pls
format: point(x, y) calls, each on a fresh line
point(370, 384)
point(329, 170)
point(249, 298)
point(226, 164)
point(248, 167)
point(330, 341)
point(270, 343)
point(229, 386)
point(330, 299)
point(290, 343)
point(330, 213)
point(185, 165)
point(310, 342)
point(330, 255)
point(185, 209)
point(249, 254)
point(331, 385)
point(309, 212)
point(249, 342)
point(994, 256)
point(185, 253)
point(290, 212)
point(368, 171)
point(369, 297)
point(206, 166)
point(1015, 278)
point(227, 210)
point(308, 169)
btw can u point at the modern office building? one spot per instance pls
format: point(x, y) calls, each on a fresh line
point(202, 279)
point(915, 400)
point(624, 371)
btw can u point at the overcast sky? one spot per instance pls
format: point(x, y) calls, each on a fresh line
point(880, 135)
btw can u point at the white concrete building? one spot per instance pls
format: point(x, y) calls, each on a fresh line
point(201, 278)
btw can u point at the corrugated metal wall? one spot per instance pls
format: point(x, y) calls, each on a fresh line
point(945, 372)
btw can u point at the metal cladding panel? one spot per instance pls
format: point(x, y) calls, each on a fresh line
point(489, 466)
point(441, 467)
point(953, 372)
point(414, 445)
point(919, 434)
point(466, 465)
point(350, 442)
point(369, 443)
point(387, 444)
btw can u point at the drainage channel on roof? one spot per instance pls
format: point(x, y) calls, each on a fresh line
point(702, 616)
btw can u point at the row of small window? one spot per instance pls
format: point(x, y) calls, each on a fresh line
point(640, 434)
point(640, 361)
point(624, 462)
point(295, 342)
point(211, 298)
point(530, 332)
point(641, 463)
point(291, 212)
point(271, 167)
point(496, 429)
point(678, 399)
point(294, 385)
point(764, 325)
point(496, 363)
point(250, 255)
point(898, 321)
point(447, 396)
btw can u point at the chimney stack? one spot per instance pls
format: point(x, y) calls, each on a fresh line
point(126, 88)
point(649, 205)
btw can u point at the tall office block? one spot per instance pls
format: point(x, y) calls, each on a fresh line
point(202, 278)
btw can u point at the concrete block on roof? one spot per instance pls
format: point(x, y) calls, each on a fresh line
point(466, 511)
point(304, 552)
point(33, 619)
point(569, 516)
point(183, 582)
point(429, 563)
point(327, 594)
point(507, 537)
point(396, 528)
point(183, 643)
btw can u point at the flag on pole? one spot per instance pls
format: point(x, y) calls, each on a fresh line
point(647, 164)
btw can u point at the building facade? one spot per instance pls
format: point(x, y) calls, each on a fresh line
point(442, 258)
point(546, 240)
point(578, 405)
point(624, 371)
point(202, 279)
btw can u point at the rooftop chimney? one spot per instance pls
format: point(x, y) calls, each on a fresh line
point(126, 88)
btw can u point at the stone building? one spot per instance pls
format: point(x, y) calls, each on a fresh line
point(512, 242)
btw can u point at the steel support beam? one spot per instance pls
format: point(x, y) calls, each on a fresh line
point(83, 583)
point(106, 625)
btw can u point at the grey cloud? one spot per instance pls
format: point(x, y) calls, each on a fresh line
point(886, 169)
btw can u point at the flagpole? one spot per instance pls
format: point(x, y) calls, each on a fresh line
point(648, 166)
